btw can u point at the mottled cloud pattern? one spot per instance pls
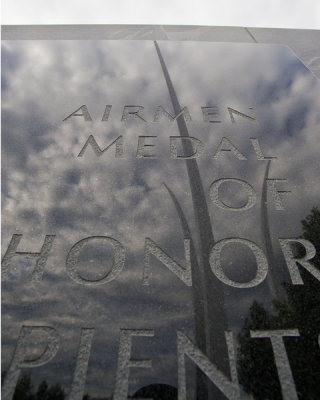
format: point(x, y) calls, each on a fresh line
point(49, 190)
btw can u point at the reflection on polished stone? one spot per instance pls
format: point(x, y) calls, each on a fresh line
point(161, 229)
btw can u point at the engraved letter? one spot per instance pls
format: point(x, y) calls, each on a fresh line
point(19, 358)
point(142, 145)
point(132, 111)
point(292, 261)
point(276, 193)
point(98, 151)
point(117, 266)
point(80, 373)
point(229, 388)
point(85, 113)
point(211, 114)
point(199, 147)
point(226, 145)
point(41, 257)
point(160, 111)
point(262, 263)
point(125, 362)
point(256, 147)
point(214, 194)
point(106, 113)
point(232, 111)
point(182, 273)
point(281, 359)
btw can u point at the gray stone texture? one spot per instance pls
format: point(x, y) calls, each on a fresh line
point(304, 42)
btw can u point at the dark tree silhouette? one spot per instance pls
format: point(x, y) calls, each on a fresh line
point(55, 392)
point(3, 376)
point(256, 368)
point(42, 392)
point(24, 389)
point(301, 310)
point(157, 391)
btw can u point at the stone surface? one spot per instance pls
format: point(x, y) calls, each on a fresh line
point(304, 42)
point(155, 198)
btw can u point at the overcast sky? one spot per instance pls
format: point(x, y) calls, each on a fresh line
point(251, 13)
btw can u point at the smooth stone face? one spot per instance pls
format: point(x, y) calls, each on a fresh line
point(156, 197)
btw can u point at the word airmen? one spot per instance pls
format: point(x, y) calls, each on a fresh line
point(209, 114)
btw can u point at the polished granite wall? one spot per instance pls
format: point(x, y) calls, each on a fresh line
point(160, 211)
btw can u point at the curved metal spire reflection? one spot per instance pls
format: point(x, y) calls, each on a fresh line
point(207, 289)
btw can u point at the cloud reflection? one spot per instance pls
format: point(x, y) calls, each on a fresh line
point(47, 189)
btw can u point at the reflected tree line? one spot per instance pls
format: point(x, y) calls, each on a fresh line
point(25, 390)
point(300, 310)
point(256, 366)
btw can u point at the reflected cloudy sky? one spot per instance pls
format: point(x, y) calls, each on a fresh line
point(48, 190)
